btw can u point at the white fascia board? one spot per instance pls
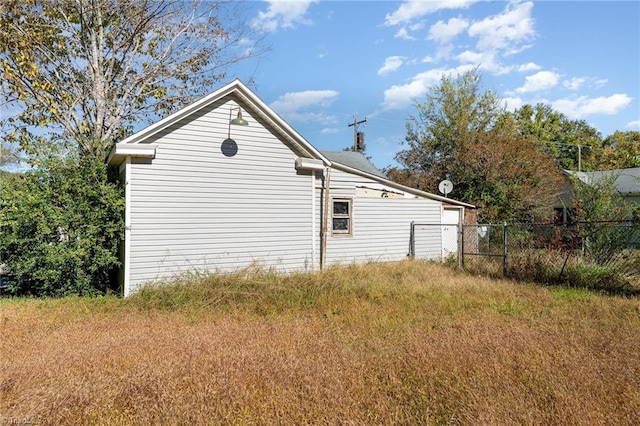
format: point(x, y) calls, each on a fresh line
point(278, 123)
point(178, 115)
point(121, 151)
point(309, 164)
point(138, 150)
point(401, 187)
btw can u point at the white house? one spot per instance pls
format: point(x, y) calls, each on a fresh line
point(206, 194)
point(626, 181)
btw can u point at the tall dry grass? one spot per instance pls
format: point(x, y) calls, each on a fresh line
point(407, 343)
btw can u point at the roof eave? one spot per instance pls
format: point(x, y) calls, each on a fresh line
point(237, 88)
point(401, 187)
point(119, 152)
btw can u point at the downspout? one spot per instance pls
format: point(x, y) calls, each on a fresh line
point(314, 224)
point(317, 165)
point(127, 228)
point(325, 219)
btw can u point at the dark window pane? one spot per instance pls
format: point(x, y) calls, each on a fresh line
point(340, 207)
point(341, 224)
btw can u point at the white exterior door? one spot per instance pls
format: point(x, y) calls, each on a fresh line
point(451, 223)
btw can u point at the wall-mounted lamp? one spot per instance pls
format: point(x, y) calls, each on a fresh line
point(229, 147)
point(238, 121)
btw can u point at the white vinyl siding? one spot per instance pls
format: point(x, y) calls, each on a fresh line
point(381, 227)
point(194, 209)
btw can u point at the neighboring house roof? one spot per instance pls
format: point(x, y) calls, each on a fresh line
point(354, 160)
point(626, 181)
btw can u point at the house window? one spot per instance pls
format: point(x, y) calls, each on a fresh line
point(342, 219)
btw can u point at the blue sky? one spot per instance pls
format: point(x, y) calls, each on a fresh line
point(332, 61)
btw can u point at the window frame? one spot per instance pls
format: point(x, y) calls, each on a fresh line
point(349, 216)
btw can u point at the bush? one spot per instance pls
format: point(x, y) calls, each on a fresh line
point(61, 225)
point(573, 269)
point(597, 204)
point(598, 277)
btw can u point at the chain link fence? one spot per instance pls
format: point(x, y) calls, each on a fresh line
point(603, 255)
point(599, 255)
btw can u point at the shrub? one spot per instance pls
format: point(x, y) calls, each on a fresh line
point(607, 223)
point(596, 277)
point(573, 269)
point(61, 225)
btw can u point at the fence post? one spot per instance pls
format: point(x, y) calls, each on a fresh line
point(412, 240)
point(504, 249)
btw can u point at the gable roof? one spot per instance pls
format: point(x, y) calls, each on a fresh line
point(254, 103)
point(355, 160)
point(626, 181)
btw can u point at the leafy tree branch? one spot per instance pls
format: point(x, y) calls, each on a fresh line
point(86, 71)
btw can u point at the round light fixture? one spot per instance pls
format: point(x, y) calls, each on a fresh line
point(229, 147)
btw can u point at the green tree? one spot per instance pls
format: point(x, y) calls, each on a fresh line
point(608, 223)
point(60, 228)
point(508, 178)
point(621, 151)
point(575, 144)
point(85, 71)
point(463, 134)
point(455, 111)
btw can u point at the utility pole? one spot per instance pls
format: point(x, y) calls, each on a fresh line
point(579, 158)
point(580, 155)
point(358, 137)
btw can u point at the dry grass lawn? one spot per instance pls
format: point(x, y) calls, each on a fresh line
point(408, 343)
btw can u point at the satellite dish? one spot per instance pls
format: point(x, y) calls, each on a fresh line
point(445, 187)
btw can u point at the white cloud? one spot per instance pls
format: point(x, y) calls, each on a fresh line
point(512, 103)
point(530, 66)
point(497, 36)
point(539, 81)
point(401, 96)
point(574, 83)
point(416, 26)
point(469, 57)
point(329, 130)
point(600, 82)
point(444, 51)
point(634, 124)
point(392, 63)
point(583, 106)
point(295, 101)
point(507, 30)
point(427, 59)
point(403, 34)
point(320, 118)
point(443, 32)
point(485, 61)
point(414, 9)
point(283, 14)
